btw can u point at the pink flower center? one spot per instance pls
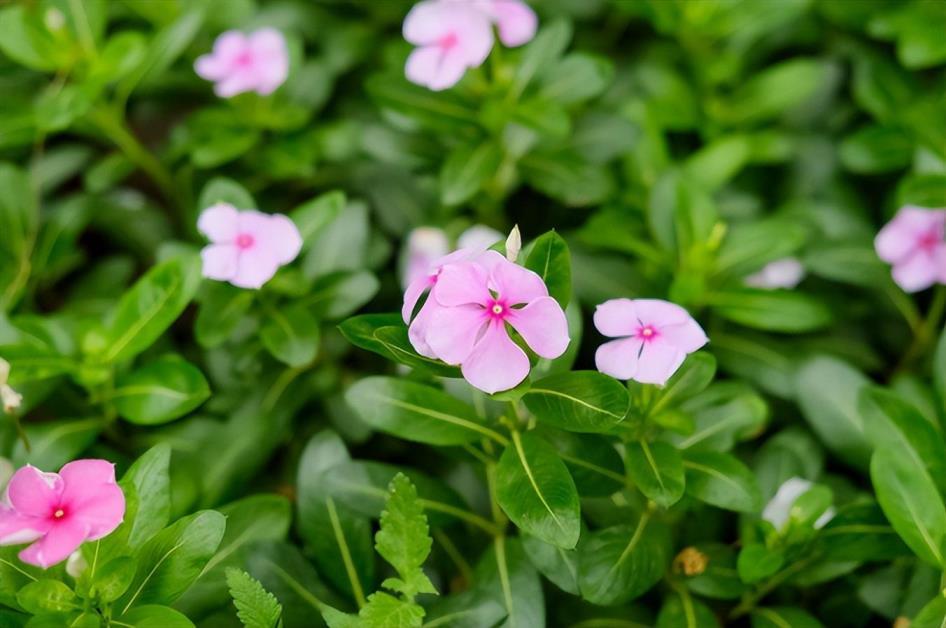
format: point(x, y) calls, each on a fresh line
point(59, 514)
point(929, 240)
point(448, 41)
point(244, 241)
point(244, 59)
point(497, 310)
point(646, 333)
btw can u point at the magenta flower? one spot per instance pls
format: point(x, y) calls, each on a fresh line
point(515, 20)
point(60, 511)
point(451, 37)
point(474, 300)
point(240, 63)
point(654, 337)
point(782, 273)
point(914, 242)
point(247, 247)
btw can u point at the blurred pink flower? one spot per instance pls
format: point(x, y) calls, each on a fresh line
point(479, 237)
point(515, 20)
point(247, 247)
point(654, 337)
point(240, 63)
point(782, 273)
point(451, 37)
point(474, 302)
point(425, 245)
point(914, 242)
point(60, 511)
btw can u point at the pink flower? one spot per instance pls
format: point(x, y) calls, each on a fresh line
point(474, 300)
point(60, 511)
point(654, 337)
point(239, 63)
point(451, 37)
point(783, 273)
point(478, 237)
point(425, 245)
point(247, 247)
point(914, 242)
point(514, 19)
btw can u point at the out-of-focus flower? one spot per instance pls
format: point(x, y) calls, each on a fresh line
point(475, 300)
point(450, 38)
point(783, 273)
point(258, 62)
point(779, 508)
point(478, 237)
point(10, 399)
point(425, 245)
point(60, 511)
point(914, 242)
point(247, 247)
point(653, 339)
point(515, 20)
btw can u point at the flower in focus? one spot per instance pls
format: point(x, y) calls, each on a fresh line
point(258, 62)
point(515, 20)
point(653, 339)
point(10, 399)
point(914, 242)
point(450, 37)
point(474, 301)
point(782, 273)
point(779, 508)
point(247, 247)
point(60, 511)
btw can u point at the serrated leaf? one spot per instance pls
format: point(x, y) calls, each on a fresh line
point(404, 539)
point(256, 607)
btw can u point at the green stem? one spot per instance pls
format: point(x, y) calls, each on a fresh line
point(924, 333)
point(750, 600)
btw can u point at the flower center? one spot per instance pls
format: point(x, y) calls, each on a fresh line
point(498, 310)
point(244, 240)
point(244, 59)
point(929, 240)
point(448, 41)
point(59, 514)
point(647, 333)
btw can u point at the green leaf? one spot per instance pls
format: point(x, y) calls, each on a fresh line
point(313, 216)
point(576, 78)
point(291, 335)
point(222, 308)
point(776, 89)
point(113, 578)
point(386, 335)
point(772, 310)
point(860, 532)
point(47, 596)
point(466, 169)
point(680, 211)
point(856, 264)
point(693, 376)
point(536, 491)
point(724, 414)
point(26, 39)
point(150, 307)
point(54, 443)
point(829, 390)
point(558, 565)
point(19, 215)
point(910, 500)
point(621, 563)
point(443, 111)
point(592, 460)
point(716, 163)
point(223, 190)
point(565, 176)
point(549, 258)
point(657, 470)
point(338, 295)
point(722, 481)
point(387, 611)
point(543, 51)
point(933, 614)
point(256, 607)
point(160, 391)
point(150, 479)
point(678, 612)
point(417, 412)
point(874, 149)
point(153, 616)
point(939, 372)
point(404, 539)
point(757, 562)
point(781, 617)
point(579, 401)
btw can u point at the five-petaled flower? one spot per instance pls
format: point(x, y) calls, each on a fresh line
point(914, 242)
point(653, 339)
point(782, 273)
point(473, 301)
point(427, 245)
point(60, 511)
point(258, 62)
point(247, 247)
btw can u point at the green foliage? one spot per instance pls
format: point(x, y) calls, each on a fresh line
point(256, 607)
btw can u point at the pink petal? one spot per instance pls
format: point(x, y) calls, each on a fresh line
point(237, 82)
point(542, 324)
point(688, 336)
point(211, 68)
point(270, 59)
point(87, 472)
point(618, 358)
point(453, 331)
point(255, 267)
point(658, 361)
point(461, 284)
point(434, 68)
point(284, 237)
point(16, 528)
point(939, 261)
point(219, 223)
point(425, 245)
point(479, 237)
point(227, 48)
point(417, 332)
point(916, 272)
point(424, 23)
point(514, 283)
point(616, 318)
point(516, 21)
point(496, 363)
point(101, 512)
point(61, 540)
point(415, 290)
point(782, 273)
point(220, 261)
point(34, 493)
point(899, 237)
point(658, 312)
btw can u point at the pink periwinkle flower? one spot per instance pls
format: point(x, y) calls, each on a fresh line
point(60, 511)
point(914, 242)
point(425, 245)
point(473, 300)
point(653, 339)
point(479, 237)
point(782, 273)
point(515, 20)
point(247, 247)
point(258, 62)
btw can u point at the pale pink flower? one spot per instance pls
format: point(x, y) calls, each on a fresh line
point(425, 246)
point(914, 242)
point(782, 273)
point(451, 37)
point(779, 509)
point(654, 337)
point(258, 62)
point(60, 511)
point(474, 302)
point(515, 20)
point(247, 247)
point(478, 237)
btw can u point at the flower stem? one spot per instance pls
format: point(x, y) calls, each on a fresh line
point(924, 333)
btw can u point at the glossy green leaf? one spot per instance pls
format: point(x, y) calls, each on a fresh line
point(579, 401)
point(291, 335)
point(160, 391)
point(47, 596)
point(689, 613)
point(722, 481)
point(223, 190)
point(466, 169)
point(772, 310)
point(550, 259)
point(657, 471)
point(779, 617)
point(153, 616)
point(592, 460)
point(558, 565)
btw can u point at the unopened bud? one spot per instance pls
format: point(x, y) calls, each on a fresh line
point(513, 244)
point(901, 622)
point(690, 561)
point(76, 564)
point(55, 20)
point(9, 398)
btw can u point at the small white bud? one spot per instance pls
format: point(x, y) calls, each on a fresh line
point(76, 564)
point(513, 244)
point(11, 399)
point(55, 20)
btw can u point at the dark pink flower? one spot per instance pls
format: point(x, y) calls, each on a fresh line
point(914, 242)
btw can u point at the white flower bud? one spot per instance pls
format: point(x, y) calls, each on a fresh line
point(513, 244)
point(55, 20)
point(76, 564)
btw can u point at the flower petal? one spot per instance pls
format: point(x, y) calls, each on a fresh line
point(34, 493)
point(454, 331)
point(16, 528)
point(220, 261)
point(916, 272)
point(256, 266)
point(658, 312)
point(435, 68)
point(688, 336)
point(220, 223)
point(779, 507)
point(479, 237)
point(86, 472)
point(424, 23)
point(658, 361)
point(462, 283)
point(56, 546)
point(101, 512)
point(618, 358)
point(515, 20)
point(497, 363)
point(270, 59)
point(900, 237)
point(417, 332)
point(283, 237)
point(412, 295)
point(512, 282)
point(616, 318)
point(542, 324)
